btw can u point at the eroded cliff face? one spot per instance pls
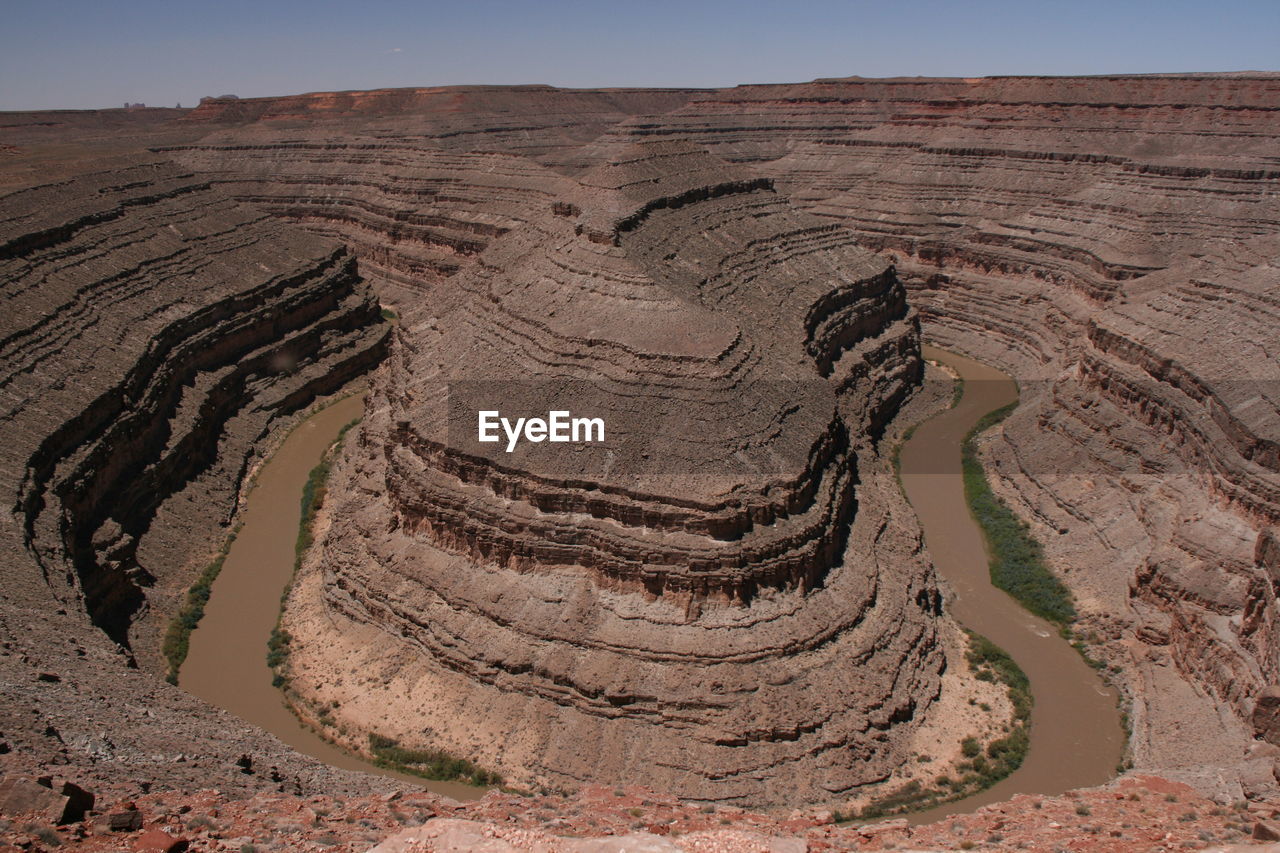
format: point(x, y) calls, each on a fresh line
point(728, 601)
point(154, 332)
point(414, 213)
point(1111, 242)
point(530, 121)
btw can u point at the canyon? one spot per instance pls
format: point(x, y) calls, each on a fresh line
point(736, 607)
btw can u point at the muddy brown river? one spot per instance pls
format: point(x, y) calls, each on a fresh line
point(1076, 739)
point(227, 663)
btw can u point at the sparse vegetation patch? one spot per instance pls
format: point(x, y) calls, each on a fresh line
point(982, 766)
point(1017, 559)
point(313, 494)
point(177, 637)
point(428, 763)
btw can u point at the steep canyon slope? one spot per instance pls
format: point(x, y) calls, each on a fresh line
point(155, 334)
point(725, 599)
point(1110, 241)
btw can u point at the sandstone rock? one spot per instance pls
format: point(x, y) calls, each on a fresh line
point(1055, 243)
point(1265, 830)
point(21, 796)
point(1262, 749)
point(1115, 319)
point(576, 595)
point(159, 841)
point(448, 835)
point(1266, 714)
point(67, 804)
point(79, 801)
point(1044, 249)
point(640, 842)
point(124, 820)
point(883, 826)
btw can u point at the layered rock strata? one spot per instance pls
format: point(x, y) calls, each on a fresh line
point(1111, 242)
point(416, 181)
point(154, 333)
point(530, 121)
point(415, 214)
point(726, 600)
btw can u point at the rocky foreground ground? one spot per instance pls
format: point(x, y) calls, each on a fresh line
point(1135, 813)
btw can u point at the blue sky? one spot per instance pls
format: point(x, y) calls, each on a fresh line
point(78, 54)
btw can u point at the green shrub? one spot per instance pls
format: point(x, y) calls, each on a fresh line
point(177, 637)
point(983, 768)
point(986, 655)
point(1017, 561)
point(428, 763)
point(313, 495)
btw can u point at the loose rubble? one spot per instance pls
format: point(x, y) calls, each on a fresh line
point(1136, 813)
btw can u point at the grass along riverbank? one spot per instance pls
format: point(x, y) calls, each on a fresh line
point(1016, 558)
point(177, 637)
point(176, 643)
point(428, 763)
point(313, 495)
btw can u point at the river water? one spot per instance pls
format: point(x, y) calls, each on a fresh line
point(1076, 738)
point(227, 662)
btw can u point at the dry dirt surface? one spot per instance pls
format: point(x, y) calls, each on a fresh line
point(1136, 814)
point(1110, 241)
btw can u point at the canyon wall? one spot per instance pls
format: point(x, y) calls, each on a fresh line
point(155, 333)
point(726, 599)
point(1112, 243)
point(414, 214)
point(401, 175)
point(526, 120)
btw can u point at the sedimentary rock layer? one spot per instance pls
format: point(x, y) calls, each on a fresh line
point(526, 120)
point(413, 213)
point(154, 331)
point(416, 181)
point(719, 602)
point(1111, 241)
